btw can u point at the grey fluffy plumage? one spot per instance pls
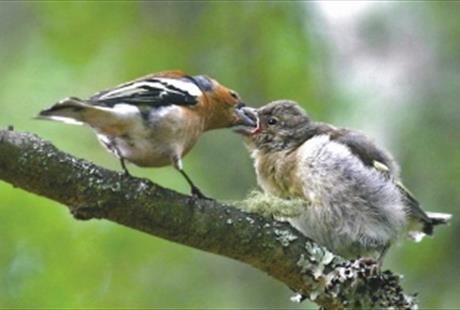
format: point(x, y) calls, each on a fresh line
point(358, 206)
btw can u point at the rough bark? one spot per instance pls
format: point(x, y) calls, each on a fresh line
point(89, 191)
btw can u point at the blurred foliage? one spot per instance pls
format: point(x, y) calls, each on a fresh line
point(265, 51)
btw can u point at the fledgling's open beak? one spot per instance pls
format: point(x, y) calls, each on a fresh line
point(248, 121)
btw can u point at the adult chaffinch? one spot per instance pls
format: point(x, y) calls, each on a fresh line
point(155, 120)
point(355, 202)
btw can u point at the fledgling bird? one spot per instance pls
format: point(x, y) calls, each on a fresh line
point(155, 120)
point(357, 205)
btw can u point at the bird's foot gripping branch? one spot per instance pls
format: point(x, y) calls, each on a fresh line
point(30, 163)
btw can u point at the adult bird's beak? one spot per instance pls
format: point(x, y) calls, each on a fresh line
point(248, 121)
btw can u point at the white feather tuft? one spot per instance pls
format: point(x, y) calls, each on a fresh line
point(62, 119)
point(416, 236)
point(439, 216)
point(297, 298)
point(184, 86)
point(123, 109)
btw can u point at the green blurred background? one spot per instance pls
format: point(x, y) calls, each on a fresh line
point(389, 69)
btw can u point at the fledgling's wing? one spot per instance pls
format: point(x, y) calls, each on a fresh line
point(375, 158)
point(157, 90)
point(363, 148)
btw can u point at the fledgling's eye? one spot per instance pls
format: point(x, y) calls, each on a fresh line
point(234, 95)
point(272, 120)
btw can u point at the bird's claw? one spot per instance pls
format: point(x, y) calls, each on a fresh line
point(196, 193)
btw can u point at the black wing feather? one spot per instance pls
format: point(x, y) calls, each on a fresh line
point(153, 92)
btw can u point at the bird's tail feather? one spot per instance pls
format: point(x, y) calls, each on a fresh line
point(435, 218)
point(438, 218)
point(108, 120)
point(69, 110)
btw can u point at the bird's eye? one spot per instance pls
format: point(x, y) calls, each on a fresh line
point(234, 95)
point(272, 121)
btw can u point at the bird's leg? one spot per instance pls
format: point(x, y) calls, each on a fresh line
point(111, 145)
point(196, 192)
point(122, 159)
point(382, 255)
point(123, 166)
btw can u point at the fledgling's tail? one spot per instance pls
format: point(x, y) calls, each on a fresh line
point(69, 110)
point(434, 219)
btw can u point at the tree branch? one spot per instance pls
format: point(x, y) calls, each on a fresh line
point(89, 191)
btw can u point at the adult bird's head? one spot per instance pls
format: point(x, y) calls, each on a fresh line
point(281, 125)
point(222, 105)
